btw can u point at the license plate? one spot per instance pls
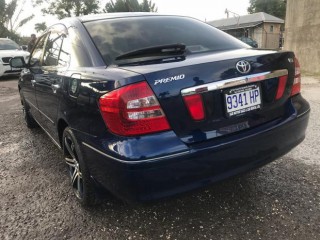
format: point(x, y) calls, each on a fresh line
point(243, 99)
point(16, 69)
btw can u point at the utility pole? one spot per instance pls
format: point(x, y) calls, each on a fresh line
point(234, 14)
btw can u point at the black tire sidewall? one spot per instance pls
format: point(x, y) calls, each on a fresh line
point(88, 196)
point(30, 122)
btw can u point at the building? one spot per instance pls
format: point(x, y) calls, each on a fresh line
point(264, 28)
point(303, 33)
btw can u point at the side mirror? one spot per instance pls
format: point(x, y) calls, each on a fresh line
point(24, 47)
point(17, 62)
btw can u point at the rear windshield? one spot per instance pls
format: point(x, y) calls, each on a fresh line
point(7, 44)
point(114, 37)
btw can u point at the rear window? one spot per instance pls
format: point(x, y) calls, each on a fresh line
point(114, 37)
point(7, 44)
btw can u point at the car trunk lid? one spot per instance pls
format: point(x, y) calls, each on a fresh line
point(215, 78)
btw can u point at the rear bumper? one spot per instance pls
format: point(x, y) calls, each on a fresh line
point(199, 165)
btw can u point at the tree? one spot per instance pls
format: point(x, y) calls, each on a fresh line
point(148, 6)
point(130, 6)
point(273, 7)
point(40, 27)
point(69, 8)
point(10, 20)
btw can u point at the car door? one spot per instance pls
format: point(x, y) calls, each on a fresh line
point(29, 75)
point(50, 81)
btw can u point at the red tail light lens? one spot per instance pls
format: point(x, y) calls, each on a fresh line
point(281, 86)
point(296, 87)
point(195, 106)
point(133, 110)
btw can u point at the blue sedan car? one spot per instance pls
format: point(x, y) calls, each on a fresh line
point(148, 105)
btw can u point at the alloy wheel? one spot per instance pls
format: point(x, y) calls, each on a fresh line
point(74, 167)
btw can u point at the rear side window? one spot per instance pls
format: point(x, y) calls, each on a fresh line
point(114, 37)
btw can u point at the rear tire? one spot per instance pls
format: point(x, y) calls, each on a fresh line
point(81, 182)
point(30, 122)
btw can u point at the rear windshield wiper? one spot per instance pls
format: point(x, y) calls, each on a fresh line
point(164, 50)
point(151, 60)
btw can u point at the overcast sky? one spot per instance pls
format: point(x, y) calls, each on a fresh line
point(202, 9)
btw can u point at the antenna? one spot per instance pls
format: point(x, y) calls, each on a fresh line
point(234, 14)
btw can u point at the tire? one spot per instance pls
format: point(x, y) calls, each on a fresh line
point(30, 122)
point(81, 182)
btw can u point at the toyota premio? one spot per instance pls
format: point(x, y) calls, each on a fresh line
point(148, 105)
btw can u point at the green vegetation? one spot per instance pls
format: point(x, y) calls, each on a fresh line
point(10, 11)
point(273, 7)
point(70, 8)
point(10, 20)
point(130, 6)
point(40, 27)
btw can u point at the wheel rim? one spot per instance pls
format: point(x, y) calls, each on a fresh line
point(74, 167)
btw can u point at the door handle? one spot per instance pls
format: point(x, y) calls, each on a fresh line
point(33, 82)
point(55, 87)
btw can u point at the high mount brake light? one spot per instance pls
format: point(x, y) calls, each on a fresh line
point(133, 110)
point(195, 106)
point(281, 86)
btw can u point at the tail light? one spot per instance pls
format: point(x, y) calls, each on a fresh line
point(133, 110)
point(296, 87)
point(195, 106)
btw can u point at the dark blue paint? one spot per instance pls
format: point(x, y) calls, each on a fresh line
point(142, 168)
point(204, 163)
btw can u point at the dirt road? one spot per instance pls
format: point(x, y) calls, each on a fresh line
point(278, 201)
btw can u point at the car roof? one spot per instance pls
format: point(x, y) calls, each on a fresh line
point(6, 39)
point(93, 17)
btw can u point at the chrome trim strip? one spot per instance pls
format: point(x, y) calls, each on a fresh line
point(305, 112)
point(52, 139)
point(133, 162)
point(40, 111)
point(46, 116)
point(31, 104)
point(233, 82)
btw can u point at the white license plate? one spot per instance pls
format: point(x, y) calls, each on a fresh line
point(243, 99)
point(15, 69)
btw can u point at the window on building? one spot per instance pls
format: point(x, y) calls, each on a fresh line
point(271, 28)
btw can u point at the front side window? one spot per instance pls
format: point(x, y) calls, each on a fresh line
point(52, 49)
point(114, 37)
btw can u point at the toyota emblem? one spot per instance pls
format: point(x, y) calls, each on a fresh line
point(243, 66)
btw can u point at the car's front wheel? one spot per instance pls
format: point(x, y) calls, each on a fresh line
point(80, 179)
point(28, 118)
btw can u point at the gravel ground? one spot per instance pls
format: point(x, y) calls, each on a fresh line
point(278, 201)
